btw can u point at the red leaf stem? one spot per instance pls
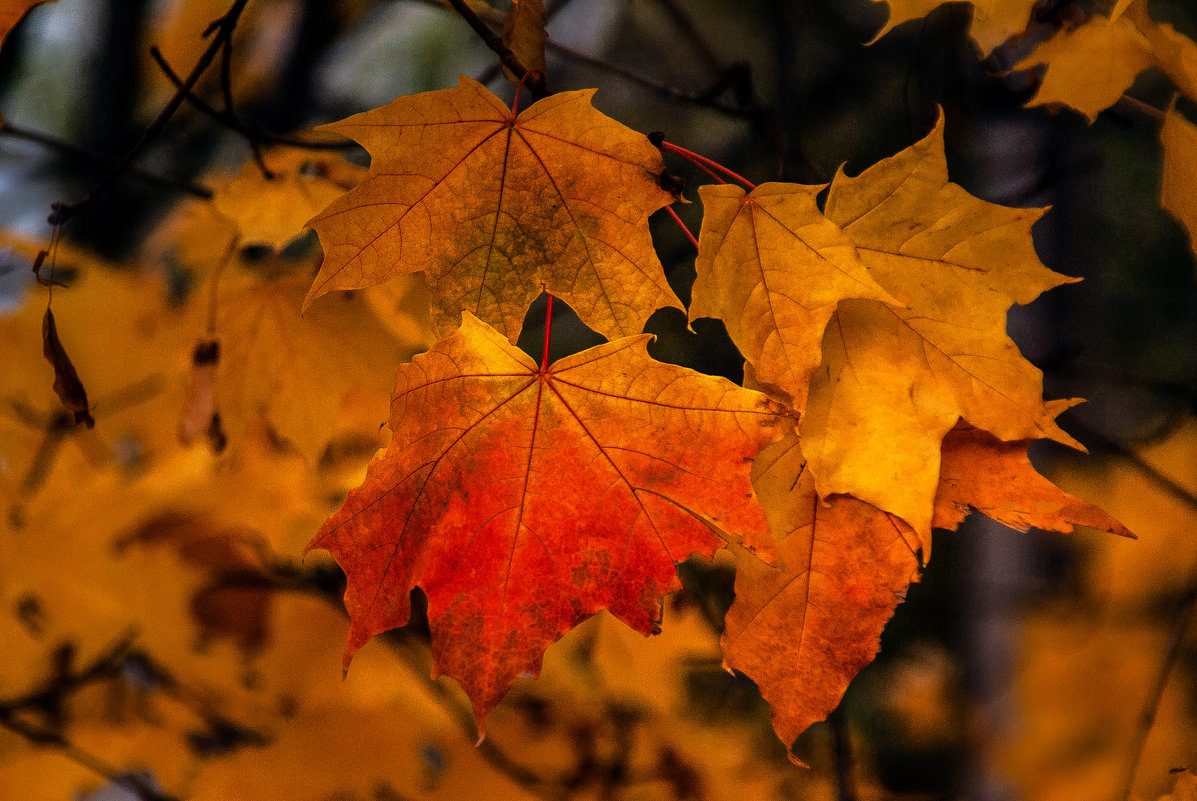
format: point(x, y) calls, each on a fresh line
point(704, 162)
point(685, 230)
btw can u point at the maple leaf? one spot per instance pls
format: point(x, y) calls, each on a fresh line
point(496, 208)
point(274, 210)
point(1090, 67)
point(523, 500)
point(1179, 139)
point(993, 22)
point(803, 632)
point(894, 381)
point(524, 33)
point(773, 269)
point(979, 472)
point(847, 565)
point(292, 370)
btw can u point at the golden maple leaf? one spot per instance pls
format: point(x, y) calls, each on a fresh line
point(994, 21)
point(894, 381)
point(773, 269)
point(273, 210)
point(1090, 67)
point(496, 207)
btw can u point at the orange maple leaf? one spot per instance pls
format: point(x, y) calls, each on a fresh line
point(523, 499)
point(980, 472)
point(495, 208)
point(803, 632)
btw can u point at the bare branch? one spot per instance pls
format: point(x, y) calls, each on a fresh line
point(223, 28)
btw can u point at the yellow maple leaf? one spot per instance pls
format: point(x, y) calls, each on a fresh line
point(894, 381)
point(495, 208)
point(290, 369)
point(1090, 67)
point(773, 269)
point(994, 21)
point(273, 211)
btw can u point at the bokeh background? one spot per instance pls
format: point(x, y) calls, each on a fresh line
point(169, 639)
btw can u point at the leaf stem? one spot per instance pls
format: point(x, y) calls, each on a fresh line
point(548, 327)
point(685, 230)
point(515, 103)
point(704, 162)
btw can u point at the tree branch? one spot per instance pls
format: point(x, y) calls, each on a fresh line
point(223, 29)
point(252, 135)
point(536, 82)
point(71, 149)
point(1184, 616)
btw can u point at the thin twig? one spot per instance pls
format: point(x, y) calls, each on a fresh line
point(71, 149)
point(236, 125)
point(223, 30)
point(131, 782)
point(1140, 106)
point(226, 89)
point(698, 99)
point(1147, 715)
point(535, 82)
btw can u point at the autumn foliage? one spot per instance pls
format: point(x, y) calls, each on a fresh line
point(882, 399)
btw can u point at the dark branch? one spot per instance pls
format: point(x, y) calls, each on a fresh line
point(233, 123)
point(224, 30)
point(1180, 626)
point(535, 82)
point(75, 151)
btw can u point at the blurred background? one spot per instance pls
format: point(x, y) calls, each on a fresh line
point(196, 653)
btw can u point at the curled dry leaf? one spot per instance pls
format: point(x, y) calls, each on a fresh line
point(495, 208)
point(522, 500)
point(67, 385)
